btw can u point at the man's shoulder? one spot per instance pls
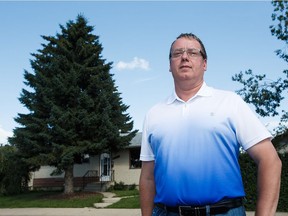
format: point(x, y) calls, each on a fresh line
point(226, 96)
point(222, 92)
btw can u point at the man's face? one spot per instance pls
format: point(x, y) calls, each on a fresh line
point(187, 62)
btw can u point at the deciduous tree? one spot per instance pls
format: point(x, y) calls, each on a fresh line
point(267, 96)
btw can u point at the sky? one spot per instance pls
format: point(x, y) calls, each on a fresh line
point(136, 37)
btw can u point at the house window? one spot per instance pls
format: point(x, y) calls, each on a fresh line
point(134, 158)
point(86, 158)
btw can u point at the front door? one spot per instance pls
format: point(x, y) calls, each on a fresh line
point(105, 167)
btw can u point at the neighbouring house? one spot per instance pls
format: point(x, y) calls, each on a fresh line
point(281, 142)
point(97, 172)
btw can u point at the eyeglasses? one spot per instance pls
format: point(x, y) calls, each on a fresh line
point(191, 52)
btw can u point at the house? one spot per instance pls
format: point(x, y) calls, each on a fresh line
point(281, 142)
point(103, 170)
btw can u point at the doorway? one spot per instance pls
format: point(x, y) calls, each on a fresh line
point(105, 167)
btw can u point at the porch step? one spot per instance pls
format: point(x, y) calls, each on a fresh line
point(95, 187)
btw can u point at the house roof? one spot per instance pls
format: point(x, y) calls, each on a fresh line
point(136, 141)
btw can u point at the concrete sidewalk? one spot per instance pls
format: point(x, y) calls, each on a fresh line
point(69, 212)
point(99, 210)
point(81, 212)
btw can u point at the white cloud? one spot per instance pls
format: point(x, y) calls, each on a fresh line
point(4, 135)
point(134, 64)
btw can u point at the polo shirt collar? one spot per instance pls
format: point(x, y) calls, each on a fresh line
point(204, 91)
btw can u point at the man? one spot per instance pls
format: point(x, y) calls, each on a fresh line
point(191, 142)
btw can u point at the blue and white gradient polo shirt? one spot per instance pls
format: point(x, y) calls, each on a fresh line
point(195, 146)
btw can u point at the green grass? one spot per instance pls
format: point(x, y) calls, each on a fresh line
point(48, 200)
point(125, 193)
point(130, 199)
point(130, 203)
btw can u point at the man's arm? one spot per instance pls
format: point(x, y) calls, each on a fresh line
point(147, 188)
point(268, 177)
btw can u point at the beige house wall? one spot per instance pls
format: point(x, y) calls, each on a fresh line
point(122, 171)
point(79, 169)
point(121, 168)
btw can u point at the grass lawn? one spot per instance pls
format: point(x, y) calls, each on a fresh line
point(130, 203)
point(44, 199)
point(125, 193)
point(50, 200)
point(130, 199)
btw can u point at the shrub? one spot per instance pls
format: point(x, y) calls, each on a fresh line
point(249, 175)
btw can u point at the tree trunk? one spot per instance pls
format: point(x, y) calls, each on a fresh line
point(68, 178)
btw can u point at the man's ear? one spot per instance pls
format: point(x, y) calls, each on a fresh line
point(205, 65)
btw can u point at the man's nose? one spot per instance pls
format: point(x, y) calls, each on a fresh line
point(184, 55)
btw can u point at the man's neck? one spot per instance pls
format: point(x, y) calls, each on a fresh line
point(185, 92)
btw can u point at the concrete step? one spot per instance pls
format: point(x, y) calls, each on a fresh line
point(94, 187)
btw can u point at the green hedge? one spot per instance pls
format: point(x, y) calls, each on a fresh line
point(249, 174)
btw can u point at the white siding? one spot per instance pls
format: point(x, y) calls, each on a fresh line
point(79, 169)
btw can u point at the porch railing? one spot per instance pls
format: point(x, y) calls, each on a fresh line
point(90, 176)
point(111, 178)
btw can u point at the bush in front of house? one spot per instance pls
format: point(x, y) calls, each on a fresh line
point(14, 171)
point(122, 186)
point(249, 174)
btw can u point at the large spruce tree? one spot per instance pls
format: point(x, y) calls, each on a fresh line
point(74, 106)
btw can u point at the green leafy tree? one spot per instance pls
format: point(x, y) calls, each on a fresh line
point(267, 96)
point(14, 172)
point(74, 107)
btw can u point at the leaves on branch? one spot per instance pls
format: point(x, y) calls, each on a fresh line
point(263, 94)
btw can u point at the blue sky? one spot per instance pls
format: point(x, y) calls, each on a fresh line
point(136, 37)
